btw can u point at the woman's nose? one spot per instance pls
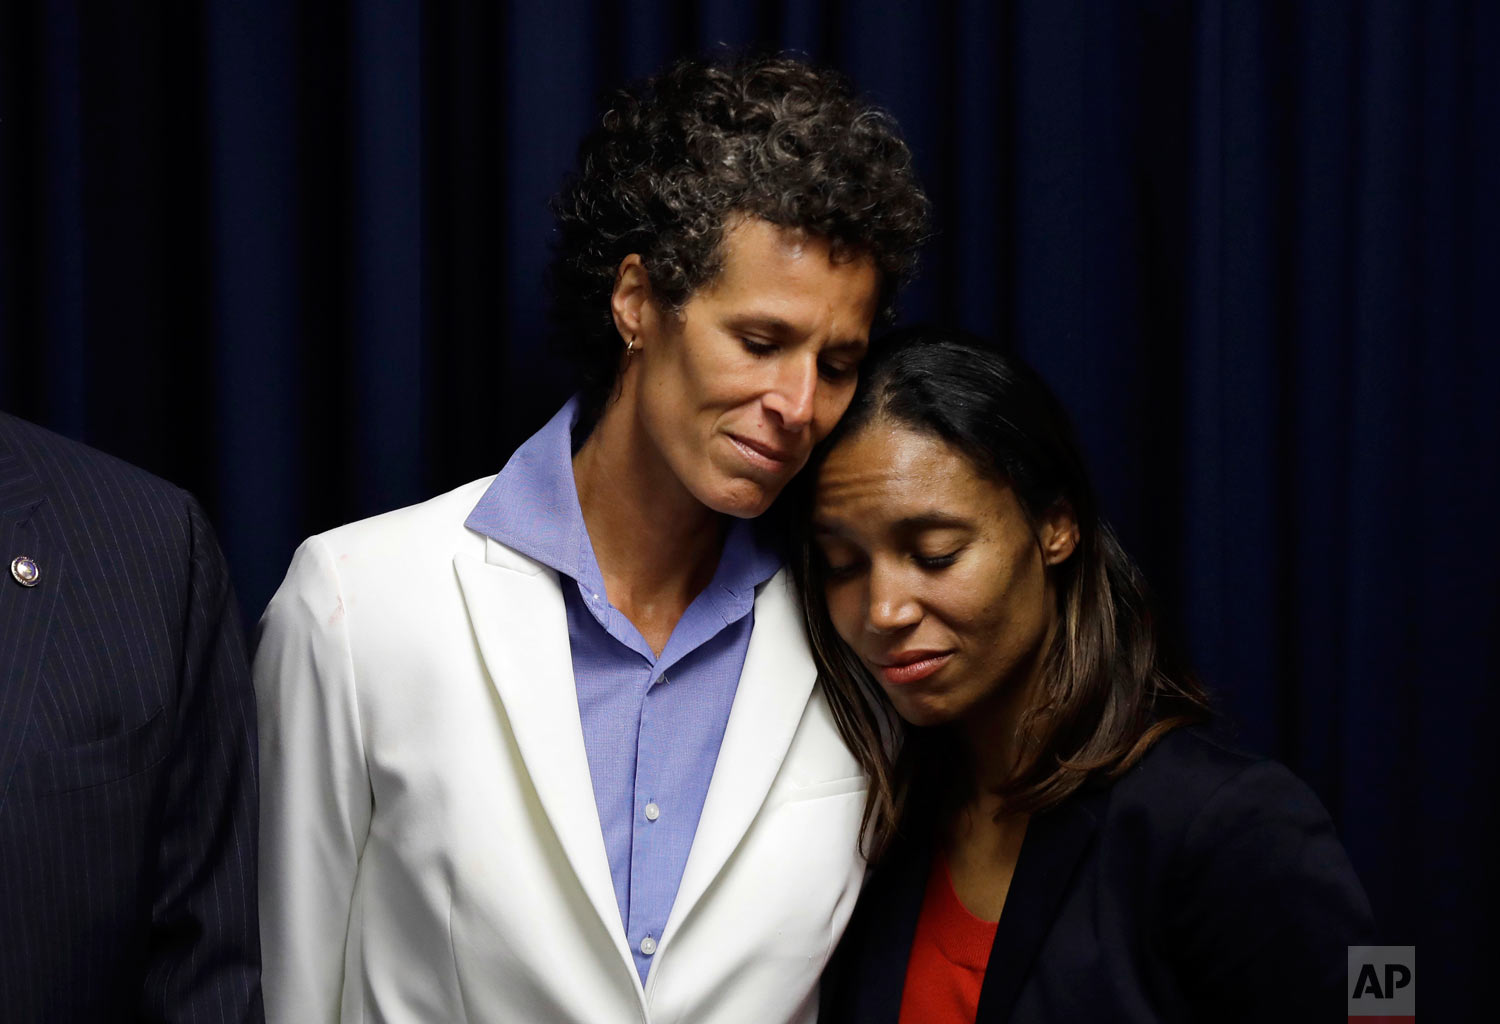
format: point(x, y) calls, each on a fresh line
point(792, 398)
point(892, 605)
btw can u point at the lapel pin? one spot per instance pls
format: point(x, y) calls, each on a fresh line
point(25, 570)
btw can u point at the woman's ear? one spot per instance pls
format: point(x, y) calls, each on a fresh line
point(628, 301)
point(1058, 533)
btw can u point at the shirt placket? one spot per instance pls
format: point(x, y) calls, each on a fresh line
point(650, 807)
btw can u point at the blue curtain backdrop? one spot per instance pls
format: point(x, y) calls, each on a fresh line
point(289, 255)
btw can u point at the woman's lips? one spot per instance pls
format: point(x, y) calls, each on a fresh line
point(762, 455)
point(913, 668)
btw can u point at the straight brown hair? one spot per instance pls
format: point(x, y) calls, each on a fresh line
point(1109, 688)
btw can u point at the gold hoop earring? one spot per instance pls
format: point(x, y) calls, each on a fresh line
point(630, 346)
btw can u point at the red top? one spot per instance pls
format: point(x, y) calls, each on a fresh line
point(948, 957)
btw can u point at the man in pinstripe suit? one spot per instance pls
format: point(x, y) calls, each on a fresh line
point(127, 749)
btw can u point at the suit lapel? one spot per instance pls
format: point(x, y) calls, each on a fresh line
point(1054, 844)
point(517, 611)
point(25, 612)
point(774, 687)
point(886, 928)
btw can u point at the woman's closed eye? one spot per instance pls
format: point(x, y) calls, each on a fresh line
point(837, 371)
point(838, 562)
point(834, 371)
point(935, 562)
point(841, 570)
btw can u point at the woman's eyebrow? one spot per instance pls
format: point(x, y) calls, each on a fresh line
point(932, 521)
point(764, 323)
point(772, 326)
point(905, 525)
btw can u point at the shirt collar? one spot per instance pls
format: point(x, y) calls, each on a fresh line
point(532, 507)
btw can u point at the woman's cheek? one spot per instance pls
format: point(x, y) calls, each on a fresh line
point(843, 609)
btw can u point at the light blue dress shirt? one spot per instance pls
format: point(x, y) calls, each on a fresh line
point(651, 726)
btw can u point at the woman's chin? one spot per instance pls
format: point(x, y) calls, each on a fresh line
point(923, 713)
point(740, 498)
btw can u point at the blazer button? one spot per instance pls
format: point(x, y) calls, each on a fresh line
point(25, 570)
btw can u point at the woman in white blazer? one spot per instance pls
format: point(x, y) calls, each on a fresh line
point(549, 747)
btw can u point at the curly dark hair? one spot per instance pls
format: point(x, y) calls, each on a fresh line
point(676, 156)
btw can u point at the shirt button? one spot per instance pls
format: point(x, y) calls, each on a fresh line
point(652, 812)
point(648, 945)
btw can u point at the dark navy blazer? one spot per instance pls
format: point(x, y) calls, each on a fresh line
point(127, 750)
point(1203, 885)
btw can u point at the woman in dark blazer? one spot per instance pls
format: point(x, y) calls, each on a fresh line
point(1052, 835)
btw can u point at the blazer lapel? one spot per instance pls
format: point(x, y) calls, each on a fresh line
point(881, 937)
point(1054, 844)
point(775, 683)
point(509, 597)
point(25, 612)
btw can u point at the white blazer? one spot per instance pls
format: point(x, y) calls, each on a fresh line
point(430, 849)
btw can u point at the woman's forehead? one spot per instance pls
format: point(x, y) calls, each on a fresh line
point(885, 471)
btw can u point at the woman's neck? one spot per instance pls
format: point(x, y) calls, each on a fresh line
point(657, 545)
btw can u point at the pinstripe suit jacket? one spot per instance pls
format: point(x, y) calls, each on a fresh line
point(127, 750)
